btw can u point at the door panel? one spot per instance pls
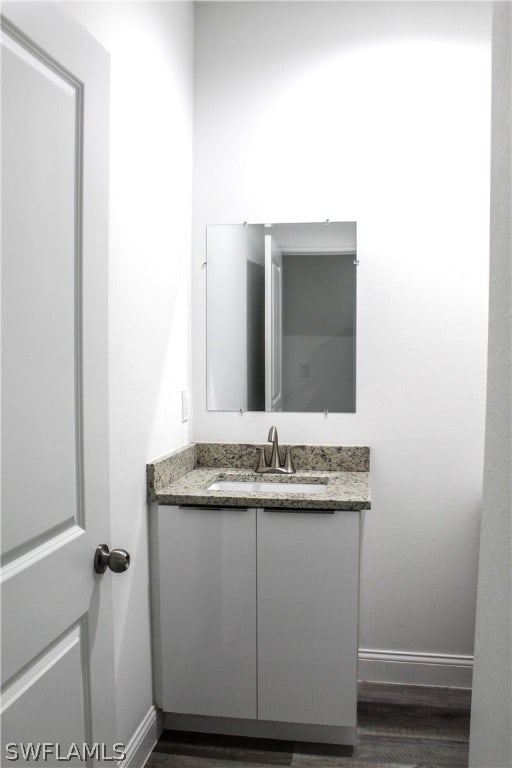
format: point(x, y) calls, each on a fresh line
point(26, 699)
point(273, 325)
point(277, 332)
point(57, 632)
point(308, 566)
point(40, 341)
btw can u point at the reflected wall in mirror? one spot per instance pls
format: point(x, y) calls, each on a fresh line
point(281, 317)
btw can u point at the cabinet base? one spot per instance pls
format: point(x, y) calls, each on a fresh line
point(263, 729)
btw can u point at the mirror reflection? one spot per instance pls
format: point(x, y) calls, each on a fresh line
point(281, 317)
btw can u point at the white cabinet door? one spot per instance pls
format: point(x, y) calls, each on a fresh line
point(57, 633)
point(205, 610)
point(308, 571)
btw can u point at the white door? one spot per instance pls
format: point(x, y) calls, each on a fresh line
point(57, 634)
point(273, 325)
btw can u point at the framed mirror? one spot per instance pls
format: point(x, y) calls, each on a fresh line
point(281, 317)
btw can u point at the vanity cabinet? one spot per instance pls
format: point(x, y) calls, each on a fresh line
point(255, 620)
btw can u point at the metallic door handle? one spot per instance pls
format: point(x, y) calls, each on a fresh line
point(118, 560)
point(303, 511)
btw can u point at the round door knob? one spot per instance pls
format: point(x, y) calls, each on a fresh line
point(118, 560)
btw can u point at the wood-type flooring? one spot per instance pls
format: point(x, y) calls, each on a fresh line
point(398, 727)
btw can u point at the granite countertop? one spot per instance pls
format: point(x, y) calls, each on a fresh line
point(183, 477)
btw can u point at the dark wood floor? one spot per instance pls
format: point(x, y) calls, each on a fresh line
point(398, 727)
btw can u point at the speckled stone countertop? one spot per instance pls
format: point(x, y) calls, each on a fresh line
point(183, 477)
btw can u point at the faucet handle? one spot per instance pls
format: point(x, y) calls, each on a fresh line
point(288, 462)
point(262, 462)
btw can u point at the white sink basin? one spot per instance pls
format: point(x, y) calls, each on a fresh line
point(263, 486)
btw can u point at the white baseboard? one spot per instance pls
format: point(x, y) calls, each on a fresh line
point(143, 740)
point(415, 668)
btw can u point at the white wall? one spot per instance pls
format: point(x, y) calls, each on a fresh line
point(491, 706)
point(375, 113)
point(151, 47)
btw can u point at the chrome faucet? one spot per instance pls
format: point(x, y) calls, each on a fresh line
point(275, 465)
